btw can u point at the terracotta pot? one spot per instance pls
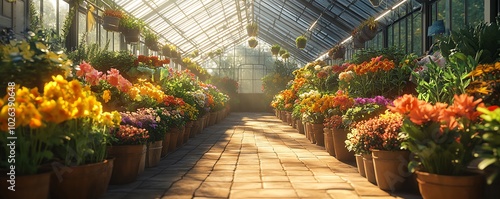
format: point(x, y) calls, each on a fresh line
point(187, 131)
point(328, 138)
point(360, 164)
point(174, 134)
point(165, 145)
point(300, 126)
point(317, 130)
point(310, 133)
point(192, 132)
point(213, 118)
point(127, 162)
point(111, 23)
point(456, 187)
point(341, 152)
point(81, 182)
point(294, 123)
point(180, 137)
point(369, 169)
point(289, 118)
point(153, 153)
point(391, 168)
point(34, 186)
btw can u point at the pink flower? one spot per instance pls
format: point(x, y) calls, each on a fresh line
point(113, 76)
point(84, 68)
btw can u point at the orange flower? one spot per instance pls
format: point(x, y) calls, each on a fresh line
point(465, 106)
point(404, 104)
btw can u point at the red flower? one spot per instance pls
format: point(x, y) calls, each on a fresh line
point(492, 108)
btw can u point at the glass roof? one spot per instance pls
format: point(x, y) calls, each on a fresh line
point(206, 25)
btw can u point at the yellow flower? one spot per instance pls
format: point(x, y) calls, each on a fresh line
point(106, 96)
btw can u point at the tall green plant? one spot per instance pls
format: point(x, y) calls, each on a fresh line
point(440, 84)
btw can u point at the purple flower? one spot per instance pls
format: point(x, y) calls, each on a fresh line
point(380, 100)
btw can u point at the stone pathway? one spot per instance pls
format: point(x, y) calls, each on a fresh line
point(250, 155)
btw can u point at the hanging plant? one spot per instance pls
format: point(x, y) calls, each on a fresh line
point(131, 28)
point(252, 29)
point(285, 55)
point(111, 20)
point(301, 42)
point(252, 42)
point(358, 42)
point(150, 39)
point(275, 49)
point(368, 29)
point(167, 50)
point(376, 3)
point(337, 52)
point(282, 51)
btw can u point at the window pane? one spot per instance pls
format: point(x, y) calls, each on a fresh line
point(63, 12)
point(402, 36)
point(49, 14)
point(417, 33)
point(390, 33)
point(457, 14)
point(475, 12)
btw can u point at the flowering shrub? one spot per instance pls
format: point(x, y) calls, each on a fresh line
point(440, 135)
point(148, 119)
point(333, 122)
point(488, 151)
point(379, 76)
point(381, 132)
point(365, 108)
point(129, 135)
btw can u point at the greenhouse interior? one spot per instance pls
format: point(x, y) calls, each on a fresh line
point(170, 99)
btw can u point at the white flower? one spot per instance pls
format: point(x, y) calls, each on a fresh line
point(317, 67)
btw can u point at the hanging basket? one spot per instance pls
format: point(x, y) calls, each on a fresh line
point(275, 50)
point(376, 3)
point(131, 35)
point(357, 42)
point(111, 23)
point(252, 43)
point(367, 33)
point(301, 42)
point(252, 29)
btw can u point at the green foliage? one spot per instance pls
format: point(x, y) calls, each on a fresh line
point(440, 84)
point(480, 42)
point(489, 150)
point(86, 52)
point(129, 22)
point(106, 60)
point(392, 53)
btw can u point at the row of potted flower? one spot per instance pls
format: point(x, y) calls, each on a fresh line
point(369, 106)
point(82, 129)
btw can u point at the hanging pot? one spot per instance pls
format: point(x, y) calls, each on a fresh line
point(368, 34)
point(131, 35)
point(111, 23)
point(339, 54)
point(301, 44)
point(376, 3)
point(252, 43)
point(358, 42)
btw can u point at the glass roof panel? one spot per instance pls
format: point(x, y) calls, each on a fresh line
point(208, 24)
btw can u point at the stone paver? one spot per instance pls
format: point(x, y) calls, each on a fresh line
point(250, 155)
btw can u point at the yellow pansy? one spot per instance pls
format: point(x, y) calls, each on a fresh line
point(106, 96)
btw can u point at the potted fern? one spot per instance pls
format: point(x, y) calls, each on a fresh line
point(301, 42)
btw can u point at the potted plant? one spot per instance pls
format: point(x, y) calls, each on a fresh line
point(382, 132)
point(285, 55)
point(128, 147)
point(442, 139)
point(368, 29)
point(301, 41)
point(252, 29)
point(282, 51)
point(252, 42)
point(376, 3)
point(337, 52)
point(111, 19)
point(131, 28)
point(151, 40)
point(275, 49)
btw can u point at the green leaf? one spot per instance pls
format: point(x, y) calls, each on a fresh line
point(486, 162)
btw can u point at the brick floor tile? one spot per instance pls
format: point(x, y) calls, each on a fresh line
point(263, 193)
point(367, 189)
point(321, 185)
point(302, 179)
point(246, 185)
point(342, 194)
point(213, 189)
point(276, 185)
point(247, 178)
point(312, 193)
point(275, 179)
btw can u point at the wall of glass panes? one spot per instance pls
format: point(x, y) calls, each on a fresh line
point(52, 14)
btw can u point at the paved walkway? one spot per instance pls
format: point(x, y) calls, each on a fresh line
point(250, 155)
